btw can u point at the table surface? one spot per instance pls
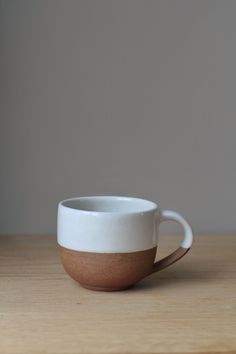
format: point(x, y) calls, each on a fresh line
point(187, 308)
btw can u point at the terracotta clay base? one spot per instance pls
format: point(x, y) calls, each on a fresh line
point(94, 288)
point(107, 271)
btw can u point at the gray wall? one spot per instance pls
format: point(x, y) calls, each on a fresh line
point(118, 97)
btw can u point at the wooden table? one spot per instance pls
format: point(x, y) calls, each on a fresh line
point(187, 308)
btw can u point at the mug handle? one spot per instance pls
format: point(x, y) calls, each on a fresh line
point(167, 215)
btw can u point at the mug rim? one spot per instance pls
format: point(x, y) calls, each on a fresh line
point(148, 205)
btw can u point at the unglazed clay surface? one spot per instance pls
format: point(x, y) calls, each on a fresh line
point(107, 271)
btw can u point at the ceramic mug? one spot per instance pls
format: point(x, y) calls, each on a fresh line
point(109, 242)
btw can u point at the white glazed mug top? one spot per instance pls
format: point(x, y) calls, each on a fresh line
point(107, 224)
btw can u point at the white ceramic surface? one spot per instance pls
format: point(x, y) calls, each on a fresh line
point(113, 224)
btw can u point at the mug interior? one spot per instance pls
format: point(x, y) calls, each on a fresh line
point(110, 204)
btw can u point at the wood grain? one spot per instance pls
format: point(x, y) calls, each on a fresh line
point(187, 308)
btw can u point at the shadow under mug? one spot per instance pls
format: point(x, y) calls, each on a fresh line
point(109, 242)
